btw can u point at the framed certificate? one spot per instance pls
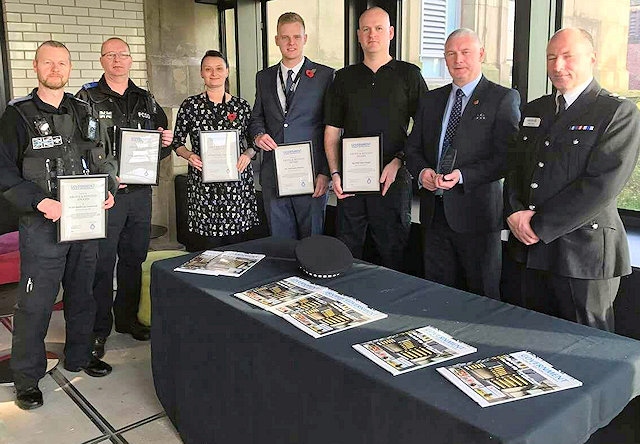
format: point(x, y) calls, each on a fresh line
point(83, 214)
point(139, 159)
point(294, 169)
point(219, 151)
point(361, 164)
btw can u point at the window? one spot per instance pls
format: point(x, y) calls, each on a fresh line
point(615, 27)
point(324, 19)
point(427, 23)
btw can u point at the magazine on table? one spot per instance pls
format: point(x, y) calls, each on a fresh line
point(326, 311)
point(505, 378)
point(413, 349)
point(221, 263)
point(273, 294)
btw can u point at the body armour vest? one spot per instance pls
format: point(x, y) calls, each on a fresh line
point(141, 116)
point(59, 144)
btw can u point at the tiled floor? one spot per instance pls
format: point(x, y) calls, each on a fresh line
point(120, 408)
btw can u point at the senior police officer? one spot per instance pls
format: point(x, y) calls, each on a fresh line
point(49, 127)
point(119, 103)
point(576, 149)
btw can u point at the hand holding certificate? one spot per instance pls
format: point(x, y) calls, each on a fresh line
point(139, 159)
point(361, 164)
point(219, 152)
point(294, 169)
point(83, 215)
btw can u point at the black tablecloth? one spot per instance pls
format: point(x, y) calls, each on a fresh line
point(229, 372)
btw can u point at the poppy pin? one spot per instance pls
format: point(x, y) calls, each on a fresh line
point(232, 116)
point(310, 73)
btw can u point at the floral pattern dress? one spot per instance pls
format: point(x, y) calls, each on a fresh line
point(222, 208)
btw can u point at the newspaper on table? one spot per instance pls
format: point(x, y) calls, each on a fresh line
point(221, 263)
point(270, 296)
point(413, 349)
point(326, 311)
point(505, 378)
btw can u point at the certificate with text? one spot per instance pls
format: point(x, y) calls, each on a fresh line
point(139, 158)
point(219, 151)
point(294, 169)
point(83, 215)
point(361, 164)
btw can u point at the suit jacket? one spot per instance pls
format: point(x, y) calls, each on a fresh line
point(570, 171)
point(303, 121)
point(487, 125)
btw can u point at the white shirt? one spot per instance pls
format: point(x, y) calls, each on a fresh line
point(284, 70)
point(571, 95)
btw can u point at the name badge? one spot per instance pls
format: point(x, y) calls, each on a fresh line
point(39, 143)
point(532, 122)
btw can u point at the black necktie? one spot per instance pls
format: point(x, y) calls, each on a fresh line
point(452, 125)
point(562, 106)
point(289, 88)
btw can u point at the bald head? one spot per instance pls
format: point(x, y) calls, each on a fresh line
point(570, 59)
point(375, 33)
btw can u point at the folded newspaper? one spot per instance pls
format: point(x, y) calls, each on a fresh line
point(507, 378)
point(413, 349)
point(221, 263)
point(316, 310)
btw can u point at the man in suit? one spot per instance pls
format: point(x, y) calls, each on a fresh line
point(288, 109)
point(461, 210)
point(575, 151)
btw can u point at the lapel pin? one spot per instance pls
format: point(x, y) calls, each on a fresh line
point(475, 102)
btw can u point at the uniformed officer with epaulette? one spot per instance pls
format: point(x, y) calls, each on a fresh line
point(119, 103)
point(575, 151)
point(44, 135)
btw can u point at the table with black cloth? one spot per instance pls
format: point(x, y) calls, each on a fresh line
point(228, 372)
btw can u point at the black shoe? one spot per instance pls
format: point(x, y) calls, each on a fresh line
point(98, 347)
point(136, 330)
point(95, 368)
point(29, 398)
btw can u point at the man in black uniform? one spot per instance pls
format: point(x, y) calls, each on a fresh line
point(42, 135)
point(119, 103)
point(575, 151)
point(367, 99)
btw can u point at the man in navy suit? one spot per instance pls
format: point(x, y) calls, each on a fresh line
point(288, 109)
point(461, 210)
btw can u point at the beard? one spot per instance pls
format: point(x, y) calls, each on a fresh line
point(53, 82)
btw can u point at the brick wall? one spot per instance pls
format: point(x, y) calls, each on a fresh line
point(82, 25)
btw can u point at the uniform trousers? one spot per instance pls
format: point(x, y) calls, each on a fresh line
point(294, 217)
point(387, 219)
point(585, 301)
point(128, 232)
point(468, 261)
point(44, 265)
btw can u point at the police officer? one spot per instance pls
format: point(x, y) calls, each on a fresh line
point(42, 135)
point(119, 103)
point(576, 149)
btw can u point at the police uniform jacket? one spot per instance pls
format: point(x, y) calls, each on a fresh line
point(39, 142)
point(136, 109)
point(570, 170)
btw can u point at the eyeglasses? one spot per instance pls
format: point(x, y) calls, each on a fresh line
point(116, 55)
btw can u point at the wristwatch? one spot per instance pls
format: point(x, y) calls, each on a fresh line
point(335, 172)
point(400, 156)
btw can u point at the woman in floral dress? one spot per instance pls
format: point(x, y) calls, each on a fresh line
point(221, 212)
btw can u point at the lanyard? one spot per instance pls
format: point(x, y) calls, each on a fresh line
point(288, 95)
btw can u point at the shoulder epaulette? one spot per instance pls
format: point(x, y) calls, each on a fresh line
point(90, 85)
point(20, 99)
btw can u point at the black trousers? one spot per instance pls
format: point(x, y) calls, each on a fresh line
point(468, 261)
point(387, 218)
point(44, 265)
point(585, 301)
point(128, 231)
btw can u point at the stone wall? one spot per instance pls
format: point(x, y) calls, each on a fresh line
point(82, 25)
